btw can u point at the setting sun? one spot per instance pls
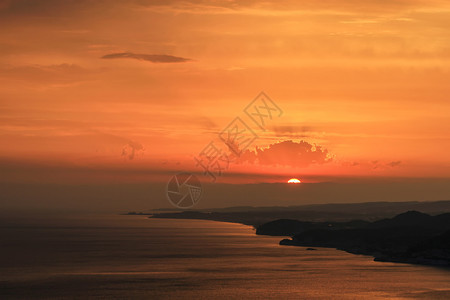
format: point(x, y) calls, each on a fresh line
point(294, 180)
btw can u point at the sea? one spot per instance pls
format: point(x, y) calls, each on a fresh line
point(94, 256)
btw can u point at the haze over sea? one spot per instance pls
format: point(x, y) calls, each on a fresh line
point(114, 256)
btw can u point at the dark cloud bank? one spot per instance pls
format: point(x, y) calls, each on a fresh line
point(287, 153)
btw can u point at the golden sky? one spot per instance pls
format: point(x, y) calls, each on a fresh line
point(140, 87)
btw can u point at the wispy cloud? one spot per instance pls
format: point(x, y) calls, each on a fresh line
point(383, 165)
point(154, 58)
point(129, 150)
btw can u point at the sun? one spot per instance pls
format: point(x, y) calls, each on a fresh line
point(294, 180)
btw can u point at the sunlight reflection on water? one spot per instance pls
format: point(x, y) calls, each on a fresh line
point(133, 256)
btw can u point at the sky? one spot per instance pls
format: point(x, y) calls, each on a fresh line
point(127, 92)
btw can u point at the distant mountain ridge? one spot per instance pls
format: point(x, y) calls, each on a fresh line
point(429, 207)
point(344, 212)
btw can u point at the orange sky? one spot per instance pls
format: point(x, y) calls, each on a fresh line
point(80, 89)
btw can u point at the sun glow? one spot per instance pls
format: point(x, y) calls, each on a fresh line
point(294, 180)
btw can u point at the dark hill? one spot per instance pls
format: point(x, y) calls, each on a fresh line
point(411, 237)
point(410, 218)
point(288, 227)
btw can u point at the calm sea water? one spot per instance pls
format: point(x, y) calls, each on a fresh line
point(117, 257)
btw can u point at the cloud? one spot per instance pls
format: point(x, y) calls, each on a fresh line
point(206, 123)
point(287, 153)
point(265, 7)
point(393, 164)
point(39, 73)
point(374, 164)
point(350, 164)
point(292, 131)
point(129, 150)
point(154, 58)
point(383, 165)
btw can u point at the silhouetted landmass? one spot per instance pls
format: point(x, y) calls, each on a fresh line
point(380, 229)
point(344, 212)
point(254, 218)
point(360, 208)
point(286, 227)
point(411, 237)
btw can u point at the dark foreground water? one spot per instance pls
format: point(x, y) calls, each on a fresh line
point(117, 257)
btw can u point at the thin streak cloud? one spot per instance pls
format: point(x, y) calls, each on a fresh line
point(154, 58)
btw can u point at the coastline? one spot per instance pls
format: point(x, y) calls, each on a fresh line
point(377, 256)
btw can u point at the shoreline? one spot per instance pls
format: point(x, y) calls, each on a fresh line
point(378, 257)
point(150, 216)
